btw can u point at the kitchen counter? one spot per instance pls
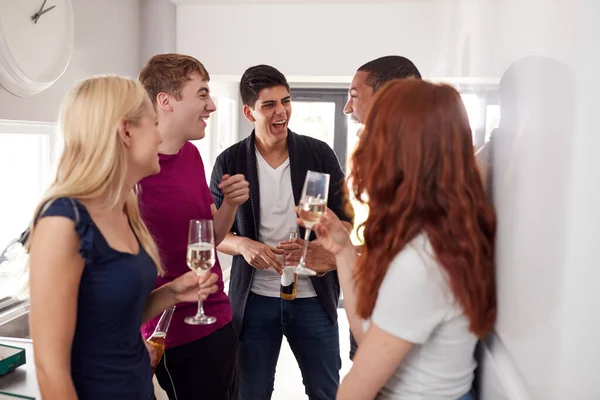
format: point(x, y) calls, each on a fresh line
point(21, 381)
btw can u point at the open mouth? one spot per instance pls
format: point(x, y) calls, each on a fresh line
point(279, 124)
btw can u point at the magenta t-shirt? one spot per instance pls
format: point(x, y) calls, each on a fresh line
point(168, 201)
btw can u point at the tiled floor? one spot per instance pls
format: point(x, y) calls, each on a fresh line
point(288, 380)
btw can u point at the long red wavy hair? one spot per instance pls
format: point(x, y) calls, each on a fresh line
point(414, 166)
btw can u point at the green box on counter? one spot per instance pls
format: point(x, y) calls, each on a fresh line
point(9, 396)
point(10, 358)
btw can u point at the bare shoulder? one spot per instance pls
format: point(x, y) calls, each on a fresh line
point(54, 236)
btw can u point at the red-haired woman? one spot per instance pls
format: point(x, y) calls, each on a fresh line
point(422, 291)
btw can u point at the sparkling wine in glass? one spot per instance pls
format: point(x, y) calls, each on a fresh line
point(311, 207)
point(201, 258)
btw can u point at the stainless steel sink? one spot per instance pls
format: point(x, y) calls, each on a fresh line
point(14, 321)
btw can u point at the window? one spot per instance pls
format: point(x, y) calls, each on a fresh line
point(319, 113)
point(483, 110)
point(27, 161)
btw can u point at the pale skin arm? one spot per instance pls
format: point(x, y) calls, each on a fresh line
point(379, 353)
point(258, 255)
point(378, 356)
point(231, 243)
point(223, 220)
point(186, 288)
point(56, 269)
point(345, 261)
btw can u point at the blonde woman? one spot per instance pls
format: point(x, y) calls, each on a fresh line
point(93, 263)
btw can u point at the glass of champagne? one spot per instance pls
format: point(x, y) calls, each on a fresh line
point(311, 207)
point(201, 258)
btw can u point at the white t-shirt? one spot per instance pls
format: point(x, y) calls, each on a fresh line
point(277, 220)
point(415, 303)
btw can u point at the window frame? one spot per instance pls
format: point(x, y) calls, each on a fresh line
point(340, 131)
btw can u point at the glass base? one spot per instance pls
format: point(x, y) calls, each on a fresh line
point(203, 320)
point(302, 271)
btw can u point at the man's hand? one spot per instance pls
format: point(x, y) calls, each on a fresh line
point(236, 190)
point(189, 286)
point(261, 256)
point(317, 258)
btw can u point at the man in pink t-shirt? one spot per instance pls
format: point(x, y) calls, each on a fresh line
point(200, 360)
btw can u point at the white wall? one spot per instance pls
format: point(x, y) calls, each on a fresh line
point(107, 40)
point(579, 345)
point(546, 170)
point(443, 37)
point(157, 26)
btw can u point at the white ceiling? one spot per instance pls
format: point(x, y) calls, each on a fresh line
point(288, 2)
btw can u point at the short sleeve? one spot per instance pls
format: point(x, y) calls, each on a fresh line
point(72, 209)
point(413, 298)
point(206, 193)
point(217, 173)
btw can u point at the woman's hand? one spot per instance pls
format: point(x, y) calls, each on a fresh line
point(331, 232)
point(190, 287)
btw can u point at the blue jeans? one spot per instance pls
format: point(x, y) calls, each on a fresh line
point(468, 396)
point(313, 338)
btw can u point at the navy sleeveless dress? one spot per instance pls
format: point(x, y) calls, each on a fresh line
point(108, 360)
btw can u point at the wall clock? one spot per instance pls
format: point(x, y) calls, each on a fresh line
point(36, 43)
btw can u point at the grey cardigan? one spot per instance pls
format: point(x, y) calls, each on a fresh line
point(305, 154)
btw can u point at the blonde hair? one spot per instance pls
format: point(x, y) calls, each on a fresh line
point(93, 163)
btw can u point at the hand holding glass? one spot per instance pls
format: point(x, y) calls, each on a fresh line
point(311, 207)
point(201, 258)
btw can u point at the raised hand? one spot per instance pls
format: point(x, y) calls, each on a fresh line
point(236, 190)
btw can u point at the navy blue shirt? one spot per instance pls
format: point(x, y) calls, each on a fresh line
point(108, 358)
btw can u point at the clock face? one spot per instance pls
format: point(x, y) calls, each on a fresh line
point(37, 43)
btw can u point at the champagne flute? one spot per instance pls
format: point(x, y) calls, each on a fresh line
point(311, 207)
point(201, 258)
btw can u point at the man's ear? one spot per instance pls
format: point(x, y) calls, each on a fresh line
point(248, 113)
point(164, 102)
point(124, 132)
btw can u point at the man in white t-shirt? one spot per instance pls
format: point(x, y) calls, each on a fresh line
point(275, 161)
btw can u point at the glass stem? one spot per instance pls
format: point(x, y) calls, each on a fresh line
point(306, 239)
point(200, 313)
